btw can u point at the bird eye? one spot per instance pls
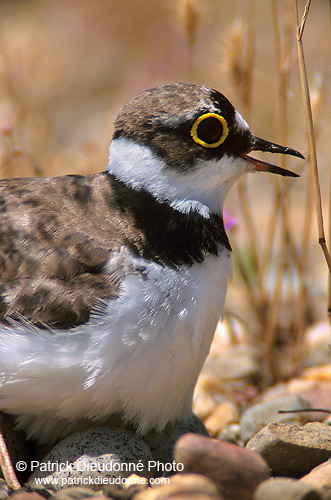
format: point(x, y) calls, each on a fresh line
point(210, 130)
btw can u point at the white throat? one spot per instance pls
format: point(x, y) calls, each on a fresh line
point(202, 188)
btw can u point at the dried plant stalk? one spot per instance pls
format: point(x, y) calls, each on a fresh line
point(329, 285)
point(310, 129)
point(190, 13)
point(6, 465)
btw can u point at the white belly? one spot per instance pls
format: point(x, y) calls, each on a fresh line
point(140, 358)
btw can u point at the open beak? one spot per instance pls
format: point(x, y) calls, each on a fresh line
point(258, 144)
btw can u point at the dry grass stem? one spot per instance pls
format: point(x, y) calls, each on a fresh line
point(190, 13)
point(239, 58)
point(329, 281)
point(310, 129)
point(6, 466)
point(234, 55)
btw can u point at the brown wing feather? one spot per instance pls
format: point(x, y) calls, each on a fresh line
point(56, 235)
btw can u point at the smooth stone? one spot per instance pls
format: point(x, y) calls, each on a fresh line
point(42, 490)
point(317, 338)
point(183, 487)
point(93, 457)
point(236, 471)
point(320, 477)
point(134, 480)
point(77, 493)
point(241, 362)
point(24, 495)
point(261, 414)
point(226, 413)
point(313, 386)
point(286, 489)
point(162, 443)
point(118, 492)
point(203, 403)
point(316, 392)
point(292, 449)
point(231, 433)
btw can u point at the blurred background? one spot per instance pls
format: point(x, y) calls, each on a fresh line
point(66, 67)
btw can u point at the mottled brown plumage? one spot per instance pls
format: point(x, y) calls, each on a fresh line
point(55, 237)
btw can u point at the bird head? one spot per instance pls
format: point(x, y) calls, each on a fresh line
point(187, 142)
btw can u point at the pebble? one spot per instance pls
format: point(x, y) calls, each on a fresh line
point(95, 457)
point(286, 489)
point(239, 362)
point(203, 403)
point(292, 449)
point(183, 487)
point(236, 471)
point(42, 490)
point(259, 415)
point(318, 373)
point(23, 495)
point(119, 492)
point(320, 477)
point(313, 386)
point(162, 443)
point(225, 414)
point(231, 433)
point(317, 338)
point(76, 493)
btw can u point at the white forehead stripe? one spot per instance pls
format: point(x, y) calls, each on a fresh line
point(239, 122)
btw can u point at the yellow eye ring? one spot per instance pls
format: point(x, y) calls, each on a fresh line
point(201, 118)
